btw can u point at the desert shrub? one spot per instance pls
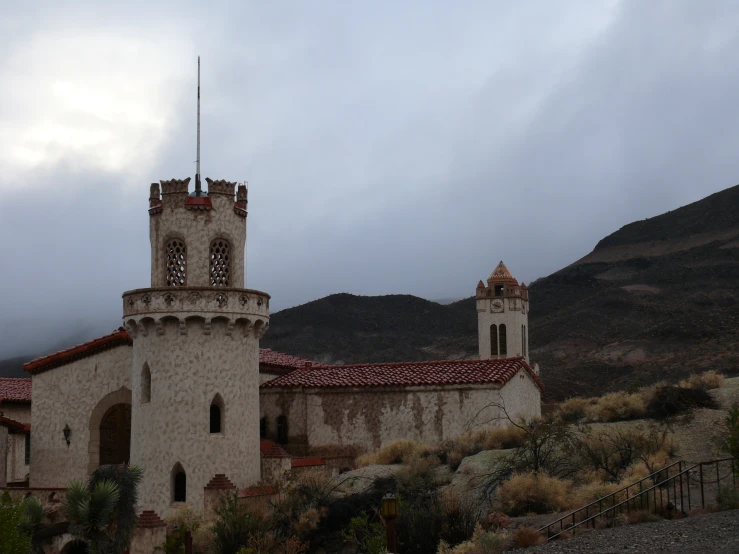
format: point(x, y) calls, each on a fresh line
point(12, 515)
point(616, 406)
point(482, 542)
point(234, 527)
point(613, 450)
point(526, 493)
point(641, 516)
point(590, 492)
point(423, 524)
point(669, 401)
point(395, 452)
point(730, 444)
point(727, 498)
point(478, 440)
point(367, 532)
point(573, 409)
point(706, 381)
point(496, 521)
point(418, 475)
point(302, 504)
point(528, 536)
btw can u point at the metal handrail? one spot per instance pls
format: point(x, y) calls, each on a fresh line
point(645, 494)
point(613, 494)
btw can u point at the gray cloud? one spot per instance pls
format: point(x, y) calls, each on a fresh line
point(388, 149)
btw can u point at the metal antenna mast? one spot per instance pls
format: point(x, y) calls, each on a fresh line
point(198, 191)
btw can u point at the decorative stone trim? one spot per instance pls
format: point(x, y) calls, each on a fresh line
point(196, 300)
point(200, 203)
point(150, 520)
point(220, 482)
point(220, 186)
point(175, 186)
point(238, 210)
point(257, 491)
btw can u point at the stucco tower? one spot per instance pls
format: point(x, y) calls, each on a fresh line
point(502, 316)
point(196, 331)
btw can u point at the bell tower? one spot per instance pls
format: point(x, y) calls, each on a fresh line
point(502, 316)
point(195, 331)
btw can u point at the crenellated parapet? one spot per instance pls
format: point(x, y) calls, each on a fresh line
point(226, 326)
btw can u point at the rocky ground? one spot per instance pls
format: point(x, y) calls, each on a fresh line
point(715, 533)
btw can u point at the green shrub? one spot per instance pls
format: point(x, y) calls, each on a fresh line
point(669, 401)
point(731, 441)
point(367, 533)
point(12, 515)
point(235, 526)
point(432, 519)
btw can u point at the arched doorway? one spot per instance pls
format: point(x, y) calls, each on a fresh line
point(110, 424)
point(115, 435)
point(74, 547)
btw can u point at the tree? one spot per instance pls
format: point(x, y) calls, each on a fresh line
point(731, 441)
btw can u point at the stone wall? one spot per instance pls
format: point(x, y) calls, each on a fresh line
point(68, 395)
point(370, 417)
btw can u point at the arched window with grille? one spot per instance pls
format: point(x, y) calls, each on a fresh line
point(216, 414)
point(145, 384)
point(220, 263)
point(503, 341)
point(493, 341)
point(176, 257)
point(179, 483)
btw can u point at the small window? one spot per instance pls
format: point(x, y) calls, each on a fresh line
point(493, 341)
point(282, 429)
point(176, 257)
point(27, 459)
point(220, 263)
point(179, 484)
point(498, 290)
point(145, 384)
point(263, 428)
point(503, 342)
point(216, 414)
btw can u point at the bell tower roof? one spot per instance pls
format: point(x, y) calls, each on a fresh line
point(501, 275)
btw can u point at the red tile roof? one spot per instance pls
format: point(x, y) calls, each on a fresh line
point(14, 425)
point(117, 338)
point(268, 356)
point(443, 372)
point(256, 491)
point(15, 389)
point(121, 337)
point(307, 462)
point(271, 450)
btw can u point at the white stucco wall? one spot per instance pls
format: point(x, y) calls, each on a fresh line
point(187, 371)
point(68, 395)
point(17, 411)
point(368, 418)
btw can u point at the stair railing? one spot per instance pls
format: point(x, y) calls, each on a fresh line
point(680, 483)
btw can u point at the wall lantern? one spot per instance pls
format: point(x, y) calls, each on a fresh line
point(67, 432)
point(389, 513)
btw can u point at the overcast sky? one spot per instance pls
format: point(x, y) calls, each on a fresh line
point(390, 147)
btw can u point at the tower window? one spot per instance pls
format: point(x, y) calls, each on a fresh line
point(176, 263)
point(145, 384)
point(503, 343)
point(498, 290)
point(216, 415)
point(493, 341)
point(27, 459)
point(220, 263)
point(179, 484)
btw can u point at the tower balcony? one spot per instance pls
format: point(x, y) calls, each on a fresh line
point(208, 302)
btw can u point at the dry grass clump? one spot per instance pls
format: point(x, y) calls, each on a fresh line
point(641, 516)
point(399, 451)
point(482, 542)
point(526, 493)
point(573, 409)
point(706, 381)
point(590, 492)
point(419, 474)
point(527, 536)
point(617, 406)
point(478, 440)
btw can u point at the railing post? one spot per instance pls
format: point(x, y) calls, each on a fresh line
point(703, 497)
point(682, 502)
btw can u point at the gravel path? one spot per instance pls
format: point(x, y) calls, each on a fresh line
point(709, 533)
